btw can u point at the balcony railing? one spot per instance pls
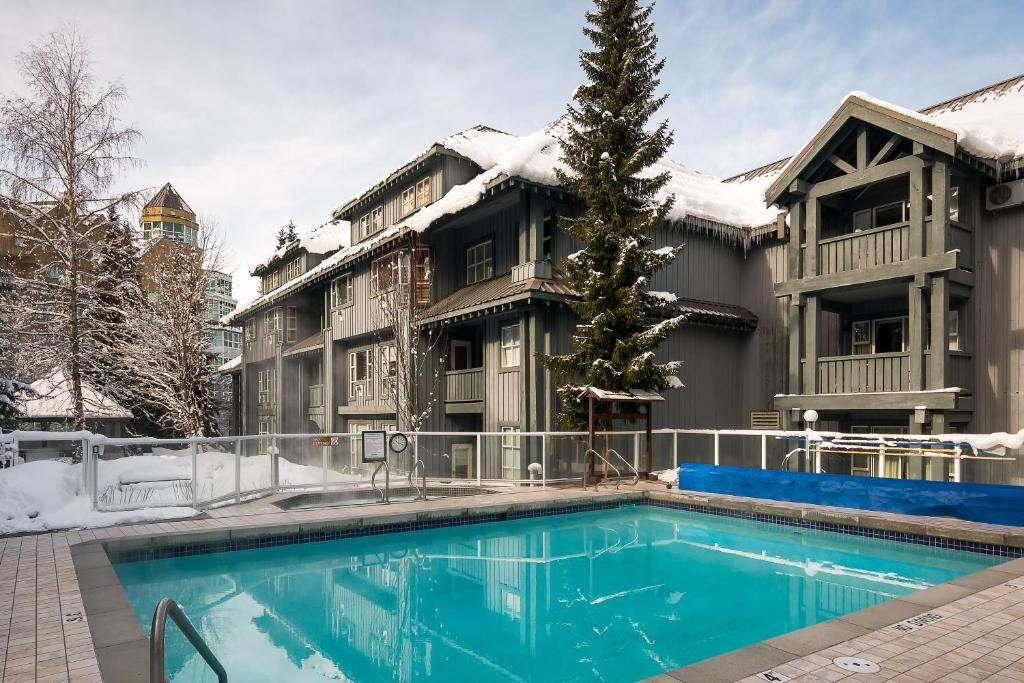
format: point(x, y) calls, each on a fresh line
point(864, 373)
point(864, 249)
point(464, 385)
point(316, 395)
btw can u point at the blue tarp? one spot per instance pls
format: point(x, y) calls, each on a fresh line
point(992, 503)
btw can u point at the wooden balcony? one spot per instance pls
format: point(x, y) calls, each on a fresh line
point(464, 391)
point(864, 249)
point(864, 373)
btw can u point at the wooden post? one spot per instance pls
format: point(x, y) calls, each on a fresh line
point(938, 239)
point(917, 200)
point(796, 213)
point(862, 148)
point(915, 323)
point(794, 332)
point(811, 344)
point(940, 332)
point(812, 228)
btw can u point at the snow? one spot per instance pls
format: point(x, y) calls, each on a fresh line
point(666, 297)
point(45, 495)
point(52, 399)
point(987, 441)
point(323, 239)
point(232, 364)
point(668, 476)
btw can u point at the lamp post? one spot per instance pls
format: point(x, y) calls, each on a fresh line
point(810, 417)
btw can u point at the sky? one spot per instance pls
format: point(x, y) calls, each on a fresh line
point(262, 112)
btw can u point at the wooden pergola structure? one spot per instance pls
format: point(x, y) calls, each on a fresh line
point(602, 405)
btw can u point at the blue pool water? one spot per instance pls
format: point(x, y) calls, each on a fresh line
point(612, 595)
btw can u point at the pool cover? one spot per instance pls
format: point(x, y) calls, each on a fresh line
point(991, 503)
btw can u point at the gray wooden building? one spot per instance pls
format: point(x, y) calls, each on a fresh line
point(875, 276)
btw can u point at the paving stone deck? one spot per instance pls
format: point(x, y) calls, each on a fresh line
point(974, 631)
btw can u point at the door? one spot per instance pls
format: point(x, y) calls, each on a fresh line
point(461, 355)
point(462, 461)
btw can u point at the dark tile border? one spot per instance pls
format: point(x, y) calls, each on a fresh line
point(122, 648)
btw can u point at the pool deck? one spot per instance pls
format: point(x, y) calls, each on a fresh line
point(973, 629)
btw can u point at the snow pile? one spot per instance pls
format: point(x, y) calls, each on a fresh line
point(985, 442)
point(668, 476)
point(991, 126)
point(323, 239)
point(52, 398)
point(44, 495)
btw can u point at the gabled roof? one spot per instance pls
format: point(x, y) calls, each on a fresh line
point(169, 198)
point(496, 291)
point(985, 123)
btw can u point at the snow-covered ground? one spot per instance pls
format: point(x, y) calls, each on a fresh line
point(49, 494)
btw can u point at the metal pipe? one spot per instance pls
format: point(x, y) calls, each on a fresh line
point(169, 608)
point(385, 496)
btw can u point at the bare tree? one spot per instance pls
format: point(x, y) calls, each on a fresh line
point(175, 373)
point(410, 371)
point(61, 148)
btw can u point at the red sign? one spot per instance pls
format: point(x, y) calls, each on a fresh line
point(326, 441)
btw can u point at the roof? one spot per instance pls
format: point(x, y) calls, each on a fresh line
point(700, 312)
point(169, 198)
point(985, 123)
point(51, 398)
point(323, 239)
point(493, 292)
point(480, 144)
point(630, 396)
point(232, 366)
point(313, 342)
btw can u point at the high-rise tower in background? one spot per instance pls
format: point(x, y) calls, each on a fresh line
point(168, 218)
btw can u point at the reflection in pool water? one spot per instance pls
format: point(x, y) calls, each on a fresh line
point(615, 595)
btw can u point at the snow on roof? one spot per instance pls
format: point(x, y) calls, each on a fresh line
point(480, 144)
point(232, 364)
point(988, 123)
point(731, 208)
point(323, 239)
point(52, 399)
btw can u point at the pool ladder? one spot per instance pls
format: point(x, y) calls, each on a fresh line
point(421, 491)
point(618, 472)
point(385, 495)
point(169, 608)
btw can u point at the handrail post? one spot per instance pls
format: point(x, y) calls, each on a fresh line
point(957, 464)
point(275, 475)
point(717, 456)
point(195, 476)
point(675, 450)
point(238, 470)
point(544, 460)
point(479, 461)
point(764, 451)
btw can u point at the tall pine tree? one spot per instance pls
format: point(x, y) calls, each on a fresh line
point(118, 302)
point(608, 151)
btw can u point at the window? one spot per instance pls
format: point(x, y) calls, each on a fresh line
point(293, 269)
point(954, 330)
point(423, 192)
point(265, 425)
point(890, 214)
point(341, 291)
point(388, 367)
point(547, 233)
point(890, 335)
point(421, 258)
point(291, 328)
point(364, 226)
point(862, 337)
point(954, 204)
point(250, 332)
point(265, 379)
point(510, 455)
point(382, 274)
point(479, 262)
point(460, 356)
point(376, 220)
point(360, 374)
point(510, 346)
point(270, 325)
point(408, 201)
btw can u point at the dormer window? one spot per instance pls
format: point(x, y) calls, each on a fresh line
point(371, 222)
point(408, 201)
point(423, 192)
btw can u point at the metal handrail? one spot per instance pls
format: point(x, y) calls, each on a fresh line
point(636, 474)
point(421, 493)
point(618, 474)
point(169, 608)
point(785, 460)
point(385, 495)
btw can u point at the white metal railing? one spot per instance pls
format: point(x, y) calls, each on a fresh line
point(131, 473)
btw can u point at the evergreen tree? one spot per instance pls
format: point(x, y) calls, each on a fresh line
point(9, 412)
point(282, 237)
point(608, 151)
point(290, 233)
point(118, 301)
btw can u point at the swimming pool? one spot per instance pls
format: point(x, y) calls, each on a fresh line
point(616, 595)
